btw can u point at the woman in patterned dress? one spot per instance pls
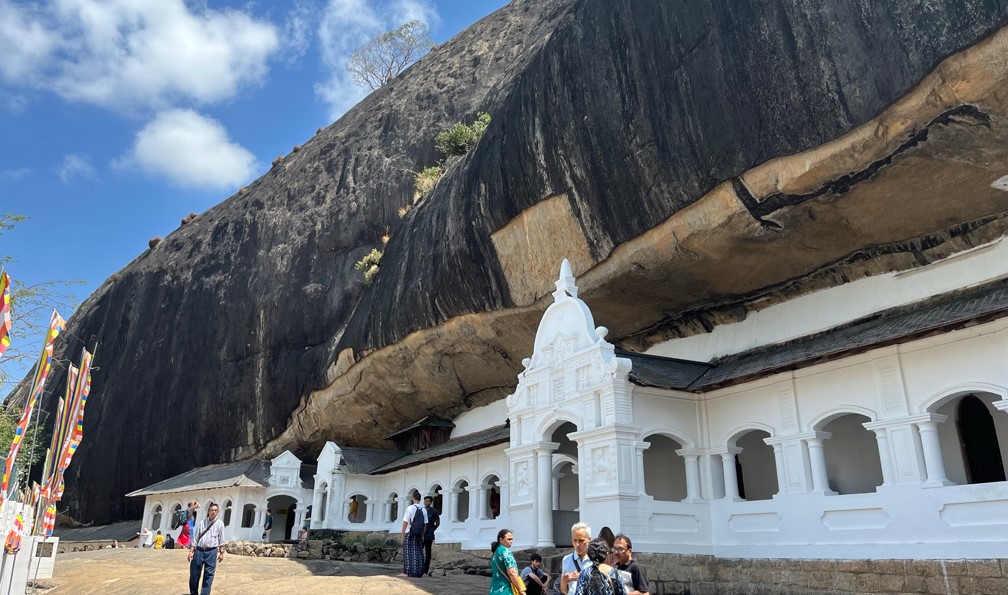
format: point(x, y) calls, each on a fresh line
point(503, 568)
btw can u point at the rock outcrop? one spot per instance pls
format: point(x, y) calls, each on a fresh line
point(693, 161)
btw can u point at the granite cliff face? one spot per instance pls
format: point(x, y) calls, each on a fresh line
point(693, 162)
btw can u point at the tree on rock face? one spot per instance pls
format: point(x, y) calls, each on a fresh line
point(383, 57)
point(30, 309)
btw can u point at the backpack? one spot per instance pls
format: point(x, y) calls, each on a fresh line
point(417, 524)
point(179, 518)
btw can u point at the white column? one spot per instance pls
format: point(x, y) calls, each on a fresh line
point(484, 505)
point(453, 504)
point(778, 455)
point(298, 522)
point(692, 459)
point(556, 490)
point(730, 475)
point(474, 502)
point(934, 463)
point(817, 460)
point(882, 439)
point(317, 513)
point(547, 494)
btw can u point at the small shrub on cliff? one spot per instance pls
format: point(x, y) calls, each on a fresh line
point(153, 242)
point(369, 265)
point(425, 181)
point(461, 137)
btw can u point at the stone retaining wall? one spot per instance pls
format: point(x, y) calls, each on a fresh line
point(706, 575)
point(698, 575)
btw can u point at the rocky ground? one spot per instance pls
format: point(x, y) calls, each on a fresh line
point(148, 572)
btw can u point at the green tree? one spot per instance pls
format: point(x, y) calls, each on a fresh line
point(32, 449)
point(461, 137)
point(30, 309)
point(385, 56)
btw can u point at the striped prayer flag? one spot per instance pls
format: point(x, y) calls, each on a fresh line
point(48, 521)
point(56, 325)
point(75, 427)
point(5, 311)
point(12, 544)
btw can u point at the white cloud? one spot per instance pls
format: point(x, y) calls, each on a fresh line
point(15, 174)
point(345, 26)
point(76, 165)
point(298, 30)
point(127, 54)
point(25, 45)
point(191, 150)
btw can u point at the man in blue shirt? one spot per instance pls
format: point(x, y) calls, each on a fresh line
point(576, 561)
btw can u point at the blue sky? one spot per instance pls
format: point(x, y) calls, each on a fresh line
point(119, 117)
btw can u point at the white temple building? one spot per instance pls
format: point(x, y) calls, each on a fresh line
point(868, 420)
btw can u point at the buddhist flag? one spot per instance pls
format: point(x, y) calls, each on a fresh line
point(48, 521)
point(56, 325)
point(5, 311)
point(12, 544)
point(74, 426)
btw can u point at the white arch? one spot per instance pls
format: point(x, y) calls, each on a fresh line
point(414, 488)
point(430, 489)
point(550, 424)
point(824, 418)
point(677, 435)
point(495, 473)
point(462, 478)
point(560, 459)
point(744, 429)
point(952, 391)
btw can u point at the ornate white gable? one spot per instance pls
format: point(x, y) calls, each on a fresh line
point(573, 371)
point(285, 471)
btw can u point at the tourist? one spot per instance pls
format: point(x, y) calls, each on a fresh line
point(634, 576)
point(414, 527)
point(146, 537)
point(576, 561)
point(599, 578)
point(504, 578)
point(303, 534)
point(184, 534)
point(433, 522)
point(158, 540)
point(206, 551)
point(352, 517)
point(169, 542)
point(534, 577)
point(607, 536)
point(267, 524)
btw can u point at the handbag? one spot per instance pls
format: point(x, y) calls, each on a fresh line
point(514, 590)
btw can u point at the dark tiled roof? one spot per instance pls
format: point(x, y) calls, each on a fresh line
point(948, 311)
point(121, 532)
point(459, 445)
point(249, 473)
point(663, 372)
point(366, 460)
point(431, 421)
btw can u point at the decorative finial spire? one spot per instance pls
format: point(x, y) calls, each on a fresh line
point(565, 284)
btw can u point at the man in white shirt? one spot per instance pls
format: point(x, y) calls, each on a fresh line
point(576, 561)
point(205, 551)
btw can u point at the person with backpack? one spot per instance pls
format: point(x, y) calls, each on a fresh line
point(413, 528)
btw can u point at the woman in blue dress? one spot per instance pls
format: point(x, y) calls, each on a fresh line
point(504, 577)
